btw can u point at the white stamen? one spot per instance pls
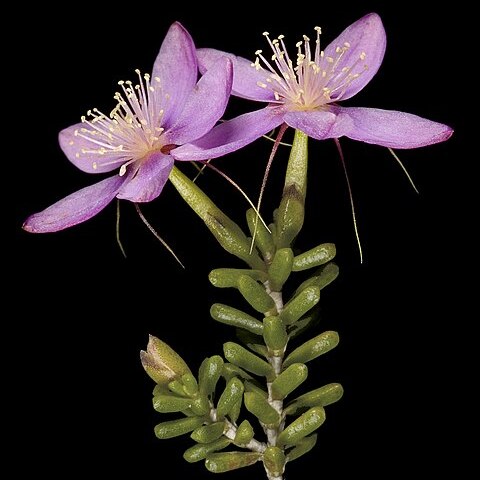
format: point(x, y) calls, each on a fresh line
point(314, 79)
point(126, 135)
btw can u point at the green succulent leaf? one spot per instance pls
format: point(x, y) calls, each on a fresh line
point(254, 386)
point(208, 433)
point(241, 357)
point(200, 405)
point(274, 461)
point(236, 318)
point(321, 278)
point(302, 447)
point(310, 319)
point(230, 396)
point(234, 412)
point(230, 370)
point(290, 379)
point(255, 294)
point(312, 349)
point(322, 396)
point(209, 373)
point(228, 277)
point(315, 257)
point(253, 342)
point(302, 426)
point(190, 384)
point(169, 403)
point(175, 428)
point(259, 406)
point(227, 461)
point(275, 335)
point(200, 451)
point(263, 238)
point(280, 268)
point(300, 305)
point(178, 388)
point(244, 433)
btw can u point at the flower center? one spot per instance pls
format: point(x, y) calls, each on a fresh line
point(315, 80)
point(131, 131)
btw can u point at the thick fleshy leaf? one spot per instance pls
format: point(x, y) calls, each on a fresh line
point(365, 36)
point(245, 77)
point(231, 135)
point(205, 104)
point(75, 208)
point(319, 124)
point(148, 182)
point(72, 145)
point(176, 67)
point(394, 129)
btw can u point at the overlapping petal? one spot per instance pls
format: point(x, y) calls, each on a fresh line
point(365, 36)
point(148, 182)
point(76, 146)
point(320, 124)
point(393, 129)
point(231, 135)
point(205, 104)
point(176, 68)
point(245, 76)
point(76, 208)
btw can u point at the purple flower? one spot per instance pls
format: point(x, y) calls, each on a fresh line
point(304, 92)
point(164, 110)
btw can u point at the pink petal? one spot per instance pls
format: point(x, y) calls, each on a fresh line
point(319, 124)
point(245, 77)
point(75, 208)
point(176, 67)
point(231, 135)
point(366, 35)
point(72, 147)
point(394, 129)
point(148, 182)
point(205, 104)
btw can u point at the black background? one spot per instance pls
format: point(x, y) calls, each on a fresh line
point(82, 312)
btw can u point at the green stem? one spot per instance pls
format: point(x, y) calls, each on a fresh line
point(276, 361)
point(296, 175)
point(226, 231)
point(291, 211)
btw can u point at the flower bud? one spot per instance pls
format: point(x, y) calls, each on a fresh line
point(161, 362)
